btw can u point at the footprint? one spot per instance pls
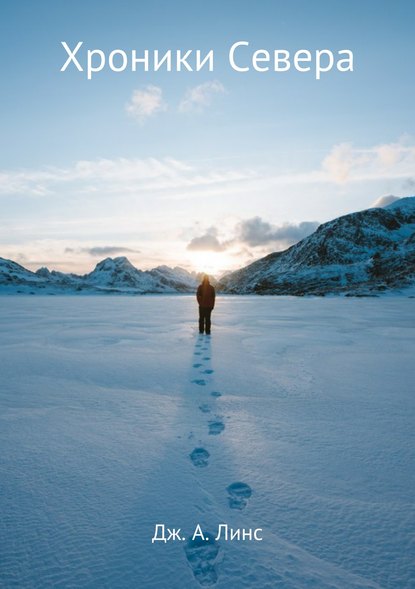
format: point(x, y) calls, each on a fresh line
point(208, 371)
point(206, 357)
point(216, 427)
point(198, 353)
point(197, 365)
point(199, 457)
point(216, 394)
point(204, 408)
point(239, 493)
point(201, 555)
point(199, 381)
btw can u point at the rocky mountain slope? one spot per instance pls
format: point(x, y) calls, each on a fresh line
point(362, 253)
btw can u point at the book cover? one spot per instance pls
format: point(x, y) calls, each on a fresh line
point(207, 283)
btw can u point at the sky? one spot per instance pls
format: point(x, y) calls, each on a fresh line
point(207, 170)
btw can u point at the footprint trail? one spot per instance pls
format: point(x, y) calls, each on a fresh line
point(202, 555)
point(239, 493)
point(200, 457)
point(216, 427)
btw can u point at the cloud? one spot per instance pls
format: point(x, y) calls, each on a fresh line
point(254, 232)
point(108, 250)
point(171, 178)
point(384, 201)
point(145, 103)
point(180, 178)
point(257, 232)
point(207, 242)
point(340, 162)
point(122, 176)
point(384, 161)
point(200, 97)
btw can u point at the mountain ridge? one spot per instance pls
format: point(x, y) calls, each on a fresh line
point(111, 275)
point(364, 253)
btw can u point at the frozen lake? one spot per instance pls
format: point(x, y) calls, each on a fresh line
point(117, 416)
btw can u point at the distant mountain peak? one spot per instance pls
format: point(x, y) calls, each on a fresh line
point(119, 261)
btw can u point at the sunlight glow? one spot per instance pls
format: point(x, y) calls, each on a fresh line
point(214, 263)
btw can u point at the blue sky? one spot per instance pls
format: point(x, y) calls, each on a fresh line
point(222, 167)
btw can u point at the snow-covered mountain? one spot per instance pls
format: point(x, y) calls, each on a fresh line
point(119, 273)
point(12, 273)
point(181, 279)
point(114, 275)
point(362, 253)
point(59, 278)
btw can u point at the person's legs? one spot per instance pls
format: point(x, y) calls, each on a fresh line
point(208, 322)
point(201, 320)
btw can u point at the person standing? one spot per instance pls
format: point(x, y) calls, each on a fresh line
point(206, 299)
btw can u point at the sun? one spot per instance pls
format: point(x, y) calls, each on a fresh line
point(209, 262)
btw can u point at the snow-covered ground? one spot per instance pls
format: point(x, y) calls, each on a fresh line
point(309, 402)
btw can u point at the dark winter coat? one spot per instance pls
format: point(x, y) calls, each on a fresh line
point(206, 296)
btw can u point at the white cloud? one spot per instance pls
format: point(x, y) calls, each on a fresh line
point(167, 177)
point(171, 178)
point(145, 103)
point(389, 160)
point(200, 97)
point(384, 201)
point(257, 232)
point(207, 242)
point(341, 161)
point(105, 250)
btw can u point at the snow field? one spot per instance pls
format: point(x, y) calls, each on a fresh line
point(296, 416)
